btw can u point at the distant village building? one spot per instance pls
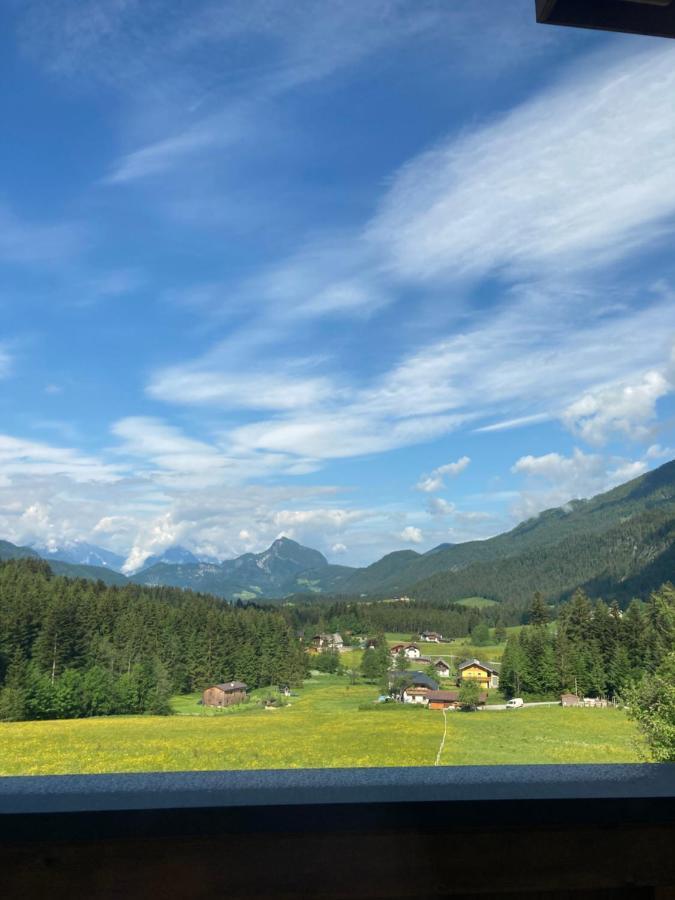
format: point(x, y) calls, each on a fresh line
point(225, 694)
point(442, 668)
point(433, 636)
point(416, 695)
point(475, 670)
point(328, 642)
point(570, 700)
point(410, 651)
point(416, 686)
point(449, 699)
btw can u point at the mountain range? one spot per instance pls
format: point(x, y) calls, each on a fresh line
point(618, 544)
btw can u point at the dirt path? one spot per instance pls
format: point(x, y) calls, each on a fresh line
point(445, 732)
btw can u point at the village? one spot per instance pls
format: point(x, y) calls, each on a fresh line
point(414, 677)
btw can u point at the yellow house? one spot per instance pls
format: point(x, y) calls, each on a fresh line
point(475, 670)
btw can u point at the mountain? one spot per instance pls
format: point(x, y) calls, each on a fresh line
point(174, 556)
point(11, 551)
point(272, 573)
point(82, 554)
point(617, 545)
point(58, 567)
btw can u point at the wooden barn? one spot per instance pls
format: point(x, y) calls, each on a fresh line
point(225, 694)
point(570, 700)
point(449, 699)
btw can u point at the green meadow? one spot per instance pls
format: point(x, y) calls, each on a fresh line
point(459, 649)
point(330, 723)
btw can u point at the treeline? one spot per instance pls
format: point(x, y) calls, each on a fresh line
point(361, 617)
point(71, 648)
point(594, 650)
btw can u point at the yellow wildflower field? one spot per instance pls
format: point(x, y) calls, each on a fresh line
point(329, 724)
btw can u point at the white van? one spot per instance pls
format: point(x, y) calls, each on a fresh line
point(516, 703)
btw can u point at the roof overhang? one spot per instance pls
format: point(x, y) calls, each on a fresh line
point(653, 17)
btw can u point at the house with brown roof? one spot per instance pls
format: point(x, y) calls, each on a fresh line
point(410, 651)
point(442, 668)
point(449, 699)
point(570, 699)
point(328, 642)
point(432, 636)
point(226, 694)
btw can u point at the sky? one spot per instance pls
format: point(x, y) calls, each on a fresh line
point(373, 276)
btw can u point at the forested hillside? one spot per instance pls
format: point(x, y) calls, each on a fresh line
point(70, 648)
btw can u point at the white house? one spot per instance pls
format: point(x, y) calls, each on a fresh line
point(442, 668)
point(415, 694)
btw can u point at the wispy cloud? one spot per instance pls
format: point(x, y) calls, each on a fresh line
point(434, 481)
point(6, 362)
point(26, 243)
point(534, 191)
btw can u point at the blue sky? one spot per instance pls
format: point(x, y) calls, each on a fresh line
point(371, 275)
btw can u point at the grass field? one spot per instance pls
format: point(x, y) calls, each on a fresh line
point(330, 723)
point(477, 602)
point(460, 649)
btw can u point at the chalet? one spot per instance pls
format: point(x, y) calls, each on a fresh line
point(449, 699)
point(416, 695)
point(225, 694)
point(570, 700)
point(442, 668)
point(423, 660)
point(432, 636)
point(475, 670)
point(410, 651)
point(417, 686)
point(328, 642)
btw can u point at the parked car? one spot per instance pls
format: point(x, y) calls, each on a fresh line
point(516, 703)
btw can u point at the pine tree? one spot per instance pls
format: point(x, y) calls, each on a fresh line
point(538, 614)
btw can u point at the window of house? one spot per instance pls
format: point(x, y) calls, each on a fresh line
point(322, 327)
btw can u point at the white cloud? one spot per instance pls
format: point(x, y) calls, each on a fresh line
point(27, 459)
point(533, 190)
point(339, 548)
point(518, 422)
point(274, 389)
point(434, 482)
point(554, 479)
point(411, 535)
point(656, 451)
point(331, 518)
point(439, 507)
point(624, 408)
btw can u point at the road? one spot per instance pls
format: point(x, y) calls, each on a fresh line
point(495, 706)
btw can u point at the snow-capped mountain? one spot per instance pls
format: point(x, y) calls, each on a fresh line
point(82, 554)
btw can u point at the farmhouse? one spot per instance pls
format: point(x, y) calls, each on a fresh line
point(225, 694)
point(475, 670)
point(416, 695)
point(410, 651)
point(328, 642)
point(417, 686)
point(433, 636)
point(442, 668)
point(449, 699)
point(570, 700)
